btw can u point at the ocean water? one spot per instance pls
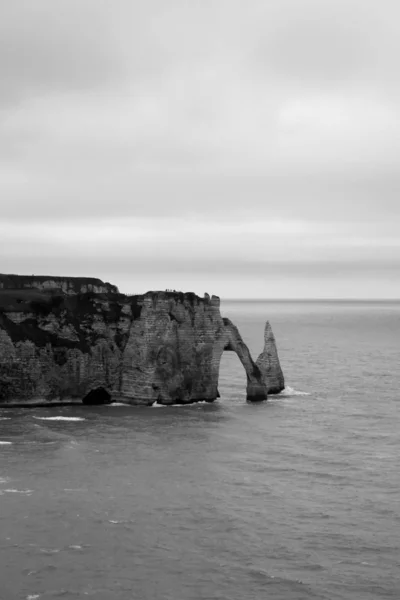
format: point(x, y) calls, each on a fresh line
point(296, 498)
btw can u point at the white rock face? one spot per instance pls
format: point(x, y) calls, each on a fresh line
point(160, 347)
point(269, 365)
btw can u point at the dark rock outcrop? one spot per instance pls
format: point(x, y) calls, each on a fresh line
point(97, 396)
point(165, 347)
point(69, 285)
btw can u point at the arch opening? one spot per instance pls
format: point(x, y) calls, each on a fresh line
point(97, 396)
point(256, 390)
point(232, 377)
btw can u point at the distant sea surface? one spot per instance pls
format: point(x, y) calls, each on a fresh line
point(297, 498)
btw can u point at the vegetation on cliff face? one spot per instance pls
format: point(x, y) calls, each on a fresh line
point(78, 312)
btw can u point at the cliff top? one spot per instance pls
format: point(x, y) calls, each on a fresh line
point(35, 292)
point(13, 281)
point(16, 280)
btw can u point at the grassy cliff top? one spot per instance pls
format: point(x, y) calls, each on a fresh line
point(13, 280)
point(73, 284)
point(28, 292)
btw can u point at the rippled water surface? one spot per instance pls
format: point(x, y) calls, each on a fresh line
point(297, 498)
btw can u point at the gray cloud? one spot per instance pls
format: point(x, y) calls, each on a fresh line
point(46, 47)
point(325, 42)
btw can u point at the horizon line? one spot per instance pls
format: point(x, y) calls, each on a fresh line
point(310, 299)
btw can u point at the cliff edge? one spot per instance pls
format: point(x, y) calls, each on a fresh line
point(72, 343)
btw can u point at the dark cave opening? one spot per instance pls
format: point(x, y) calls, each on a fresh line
point(97, 396)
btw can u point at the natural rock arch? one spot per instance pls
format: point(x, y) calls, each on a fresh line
point(263, 376)
point(256, 387)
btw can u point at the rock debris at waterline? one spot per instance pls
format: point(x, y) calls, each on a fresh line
point(80, 340)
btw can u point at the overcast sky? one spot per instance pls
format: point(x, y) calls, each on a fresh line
point(243, 148)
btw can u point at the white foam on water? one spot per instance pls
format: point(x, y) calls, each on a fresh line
point(193, 404)
point(17, 491)
point(59, 418)
point(156, 405)
point(32, 597)
point(289, 392)
point(185, 405)
point(3, 443)
point(115, 522)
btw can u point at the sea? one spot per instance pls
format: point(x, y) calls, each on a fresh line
point(296, 498)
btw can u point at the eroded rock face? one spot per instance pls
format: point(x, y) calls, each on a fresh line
point(256, 387)
point(160, 347)
point(269, 365)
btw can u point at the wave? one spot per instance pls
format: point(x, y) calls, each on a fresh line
point(3, 443)
point(180, 405)
point(288, 392)
point(12, 491)
point(114, 522)
point(192, 404)
point(122, 521)
point(5, 418)
point(274, 579)
point(59, 418)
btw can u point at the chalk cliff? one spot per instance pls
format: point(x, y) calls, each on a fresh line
point(62, 345)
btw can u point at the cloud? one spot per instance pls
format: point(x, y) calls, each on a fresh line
point(54, 46)
point(227, 245)
point(144, 118)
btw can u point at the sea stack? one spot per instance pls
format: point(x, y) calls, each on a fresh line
point(269, 365)
point(79, 340)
